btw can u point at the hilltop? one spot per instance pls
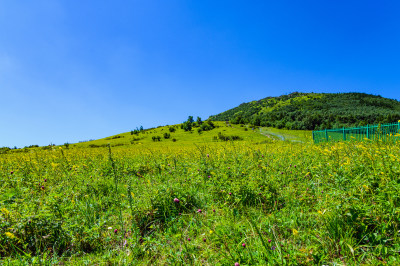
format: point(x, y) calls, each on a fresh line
point(309, 111)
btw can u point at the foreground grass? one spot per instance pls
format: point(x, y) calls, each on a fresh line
point(215, 204)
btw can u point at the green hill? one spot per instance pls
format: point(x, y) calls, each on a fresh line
point(309, 111)
point(175, 136)
point(203, 192)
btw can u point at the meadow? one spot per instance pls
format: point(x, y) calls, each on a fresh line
point(199, 200)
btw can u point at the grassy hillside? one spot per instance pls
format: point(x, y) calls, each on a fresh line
point(287, 135)
point(179, 137)
point(218, 196)
point(314, 111)
point(217, 203)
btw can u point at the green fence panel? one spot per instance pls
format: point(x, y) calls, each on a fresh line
point(384, 132)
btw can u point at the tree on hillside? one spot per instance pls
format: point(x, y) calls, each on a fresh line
point(238, 118)
point(188, 124)
point(315, 111)
point(256, 121)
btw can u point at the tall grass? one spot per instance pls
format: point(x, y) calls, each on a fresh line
point(274, 203)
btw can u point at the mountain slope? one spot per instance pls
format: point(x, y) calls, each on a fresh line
point(175, 136)
point(314, 111)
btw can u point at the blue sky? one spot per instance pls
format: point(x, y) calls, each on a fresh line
point(79, 70)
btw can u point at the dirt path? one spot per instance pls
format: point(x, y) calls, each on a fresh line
point(279, 136)
point(269, 134)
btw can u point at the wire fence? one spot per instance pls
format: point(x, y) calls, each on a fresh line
point(384, 132)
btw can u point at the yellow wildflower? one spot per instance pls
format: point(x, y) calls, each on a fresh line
point(10, 235)
point(5, 211)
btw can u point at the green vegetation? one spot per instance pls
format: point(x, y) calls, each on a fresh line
point(203, 133)
point(285, 134)
point(201, 199)
point(385, 132)
point(314, 111)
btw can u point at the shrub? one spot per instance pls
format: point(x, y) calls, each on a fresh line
point(115, 137)
point(4, 150)
point(135, 139)
point(43, 148)
point(156, 138)
point(32, 146)
point(187, 126)
point(226, 138)
point(208, 125)
point(136, 132)
point(117, 144)
point(167, 135)
point(97, 146)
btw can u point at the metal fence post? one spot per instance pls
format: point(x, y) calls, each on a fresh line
point(326, 134)
point(398, 130)
point(367, 131)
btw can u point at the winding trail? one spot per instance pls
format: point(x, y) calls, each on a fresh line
point(281, 137)
point(273, 134)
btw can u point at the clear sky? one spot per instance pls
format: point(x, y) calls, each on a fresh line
point(79, 70)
